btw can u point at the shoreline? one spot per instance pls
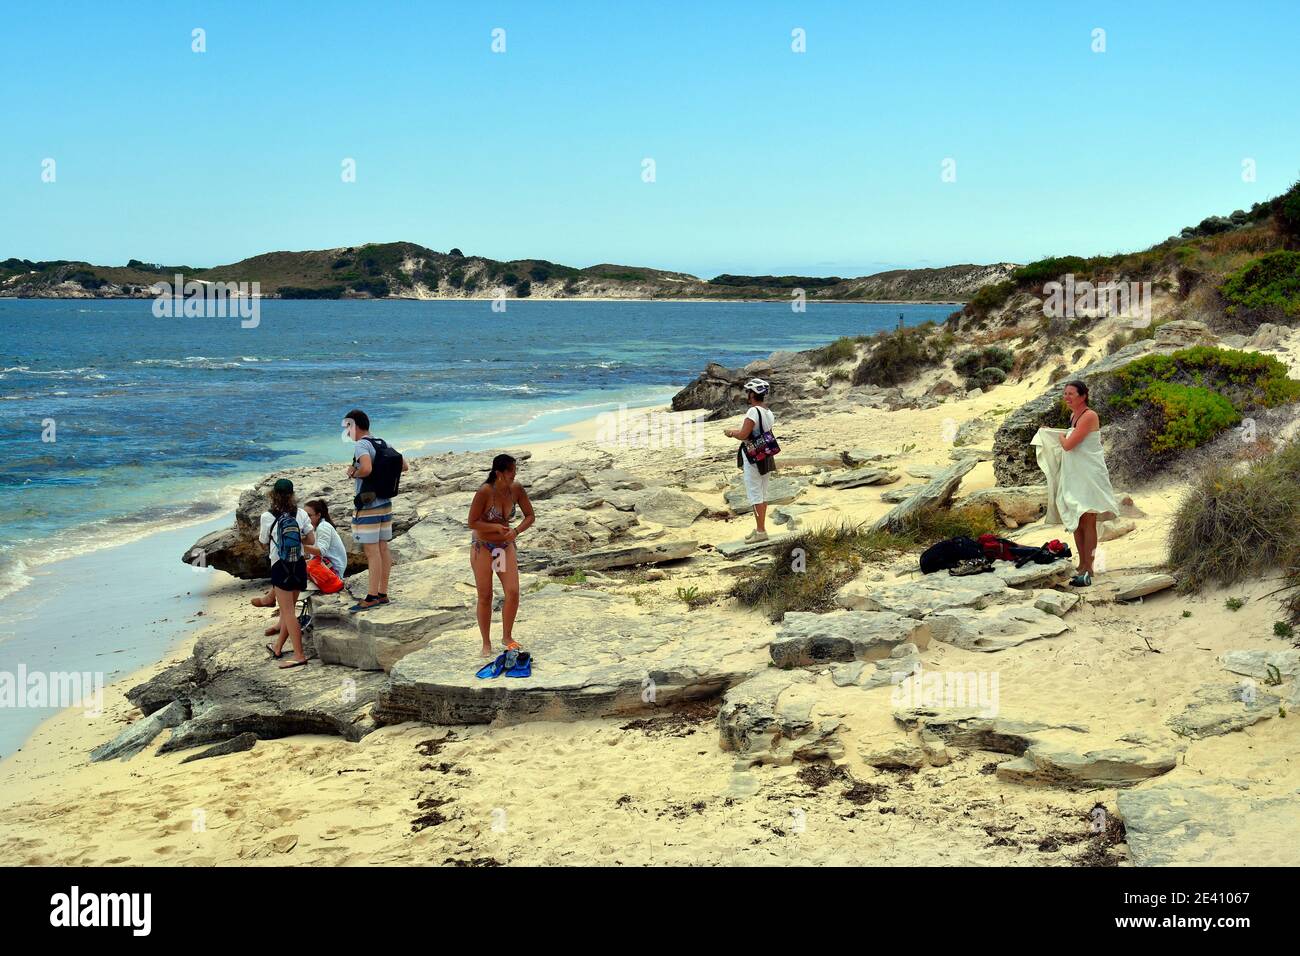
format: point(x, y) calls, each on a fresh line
point(568, 434)
point(480, 298)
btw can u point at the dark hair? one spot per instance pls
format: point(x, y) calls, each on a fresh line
point(499, 463)
point(1078, 386)
point(283, 503)
point(360, 418)
point(319, 506)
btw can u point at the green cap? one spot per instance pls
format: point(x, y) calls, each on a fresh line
point(283, 486)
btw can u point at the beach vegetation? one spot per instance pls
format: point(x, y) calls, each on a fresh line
point(898, 356)
point(843, 349)
point(811, 567)
point(1238, 522)
point(1269, 286)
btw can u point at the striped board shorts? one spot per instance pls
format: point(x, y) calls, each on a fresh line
point(374, 524)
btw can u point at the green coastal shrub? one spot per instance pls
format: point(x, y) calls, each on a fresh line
point(842, 349)
point(1247, 379)
point(1269, 283)
point(991, 297)
point(1233, 524)
point(1185, 416)
point(988, 377)
point(810, 568)
point(897, 356)
point(1286, 212)
point(985, 366)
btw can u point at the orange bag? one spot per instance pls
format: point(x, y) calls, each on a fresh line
point(324, 576)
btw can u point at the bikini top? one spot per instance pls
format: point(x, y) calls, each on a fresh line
point(493, 513)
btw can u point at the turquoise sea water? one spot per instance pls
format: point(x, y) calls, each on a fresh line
point(119, 427)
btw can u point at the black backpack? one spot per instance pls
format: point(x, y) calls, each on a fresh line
point(385, 470)
point(948, 553)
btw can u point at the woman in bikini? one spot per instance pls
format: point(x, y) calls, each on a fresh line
point(492, 546)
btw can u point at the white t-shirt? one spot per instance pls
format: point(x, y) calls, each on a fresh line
point(331, 548)
point(268, 523)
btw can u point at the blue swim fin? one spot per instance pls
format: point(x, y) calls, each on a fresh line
point(523, 666)
point(493, 669)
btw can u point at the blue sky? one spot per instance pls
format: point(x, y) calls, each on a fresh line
point(825, 162)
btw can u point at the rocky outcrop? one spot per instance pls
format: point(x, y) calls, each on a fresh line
point(937, 492)
point(1200, 823)
point(807, 639)
point(632, 554)
point(141, 734)
point(856, 478)
point(933, 592)
point(1014, 461)
point(231, 686)
point(430, 597)
point(768, 720)
point(1218, 709)
point(994, 628)
point(1015, 505)
point(594, 655)
point(1065, 766)
point(234, 745)
point(1263, 665)
point(720, 389)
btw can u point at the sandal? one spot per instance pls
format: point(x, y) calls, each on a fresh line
point(271, 650)
point(371, 600)
point(293, 663)
point(1081, 580)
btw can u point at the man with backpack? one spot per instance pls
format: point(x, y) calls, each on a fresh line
point(377, 470)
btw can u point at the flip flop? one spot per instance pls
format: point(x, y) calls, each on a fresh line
point(270, 650)
point(523, 666)
point(365, 604)
point(493, 669)
point(293, 663)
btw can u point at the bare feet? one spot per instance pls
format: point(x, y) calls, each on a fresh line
point(487, 653)
point(272, 631)
point(262, 601)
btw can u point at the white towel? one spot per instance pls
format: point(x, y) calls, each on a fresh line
point(1077, 480)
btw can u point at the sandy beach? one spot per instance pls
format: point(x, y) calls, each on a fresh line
point(657, 789)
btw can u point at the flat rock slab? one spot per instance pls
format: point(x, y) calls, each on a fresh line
point(935, 493)
point(615, 556)
point(737, 549)
point(1059, 603)
point(994, 628)
point(861, 456)
point(979, 454)
point(1261, 665)
point(234, 745)
point(142, 732)
point(856, 478)
point(1130, 587)
point(931, 593)
point(1070, 766)
point(903, 661)
point(1015, 505)
point(768, 720)
point(594, 655)
point(781, 490)
point(974, 727)
point(429, 597)
point(1219, 709)
point(807, 639)
point(1209, 824)
point(1034, 575)
point(895, 495)
point(232, 687)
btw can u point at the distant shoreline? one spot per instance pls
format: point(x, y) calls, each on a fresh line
point(479, 298)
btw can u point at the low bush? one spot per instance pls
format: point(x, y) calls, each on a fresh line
point(842, 349)
point(1235, 523)
point(1270, 283)
point(809, 569)
point(898, 356)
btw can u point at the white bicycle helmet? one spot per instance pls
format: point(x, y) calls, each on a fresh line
point(757, 386)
